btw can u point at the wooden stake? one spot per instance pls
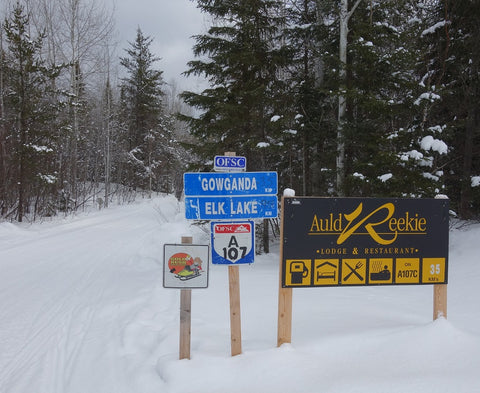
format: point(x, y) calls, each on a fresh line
point(185, 322)
point(284, 332)
point(235, 319)
point(234, 292)
point(439, 301)
point(185, 315)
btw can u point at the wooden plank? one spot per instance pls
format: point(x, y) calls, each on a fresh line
point(284, 332)
point(185, 322)
point(235, 319)
point(439, 301)
point(187, 240)
point(185, 315)
point(234, 292)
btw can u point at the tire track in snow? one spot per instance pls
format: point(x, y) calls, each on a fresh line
point(55, 336)
point(77, 300)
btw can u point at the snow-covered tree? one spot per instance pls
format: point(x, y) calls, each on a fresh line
point(29, 108)
point(78, 33)
point(149, 136)
point(387, 117)
point(456, 67)
point(241, 56)
point(384, 123)
point(311, 82)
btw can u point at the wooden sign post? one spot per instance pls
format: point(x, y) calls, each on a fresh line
point(235, 319)
point(234, 293)
point(439, 301)
point(185, 266)
point(185, 315)
point(284, 332)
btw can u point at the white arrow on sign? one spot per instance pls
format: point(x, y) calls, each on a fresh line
point(233, 243)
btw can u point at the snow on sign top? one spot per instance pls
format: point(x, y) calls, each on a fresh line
point(229, 164)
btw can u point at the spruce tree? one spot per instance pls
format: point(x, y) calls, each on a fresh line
point(311, 82)
point(30, 108)
point(241, 56)
point(387, 123)
point(419, 141)
point(455, 59)
point(148, 130)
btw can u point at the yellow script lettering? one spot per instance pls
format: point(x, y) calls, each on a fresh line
point(349, 229)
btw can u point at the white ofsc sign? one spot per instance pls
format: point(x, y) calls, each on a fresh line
point(233, 242)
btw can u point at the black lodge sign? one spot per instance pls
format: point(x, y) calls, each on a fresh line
point(364, 241)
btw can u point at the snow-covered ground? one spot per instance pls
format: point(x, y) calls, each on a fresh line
point(83, 310)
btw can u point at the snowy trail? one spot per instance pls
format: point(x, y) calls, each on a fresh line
point(83, 310)
point(80, 284)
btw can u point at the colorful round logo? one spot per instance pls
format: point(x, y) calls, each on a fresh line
point(178, 261)
point(184, 266)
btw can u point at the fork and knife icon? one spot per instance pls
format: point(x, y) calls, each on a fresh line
point(353, 270)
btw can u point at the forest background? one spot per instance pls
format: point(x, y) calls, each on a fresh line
point(362, 98)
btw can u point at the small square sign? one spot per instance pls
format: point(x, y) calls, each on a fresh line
point(185, 265)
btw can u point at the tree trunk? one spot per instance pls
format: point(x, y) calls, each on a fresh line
point(345, 16)
point(266, 236)
point(342, 101)
point(473, 124)
point(3, 134)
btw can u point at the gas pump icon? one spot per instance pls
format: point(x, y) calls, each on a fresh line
point(298, 271)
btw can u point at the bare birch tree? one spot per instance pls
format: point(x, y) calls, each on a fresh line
point(79, 32)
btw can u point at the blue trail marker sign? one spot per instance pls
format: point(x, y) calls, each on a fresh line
point(230, 196)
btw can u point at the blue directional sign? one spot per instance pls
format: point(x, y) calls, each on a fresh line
point(230, 163)
point(231, 207)
point(230, 184)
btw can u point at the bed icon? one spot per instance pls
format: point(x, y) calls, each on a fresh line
point(326, 272)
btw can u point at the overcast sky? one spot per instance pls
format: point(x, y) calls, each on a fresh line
point(171, 24)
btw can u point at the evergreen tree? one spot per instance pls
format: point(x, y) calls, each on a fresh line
point(311, 82)
point(386, 117)
point(455, 60)
point(422, 150)
point(241, 57)
point(30, 106)
point(149, 133)
point(381, 81)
